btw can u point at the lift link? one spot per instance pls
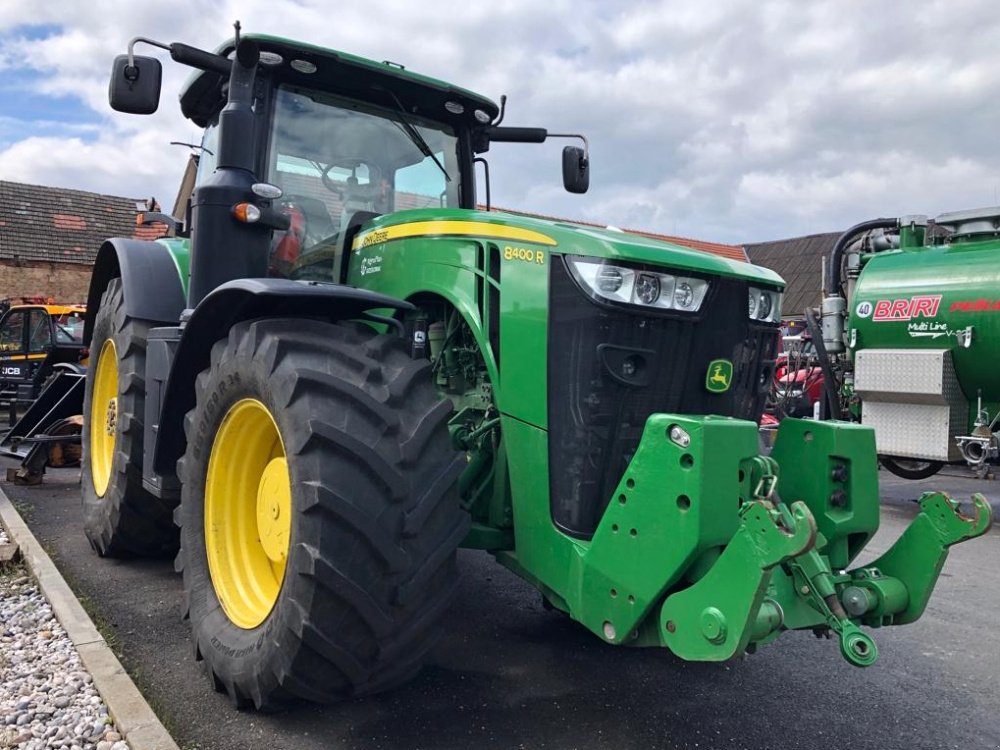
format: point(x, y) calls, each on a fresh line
point(715, 618)
point(814, 580)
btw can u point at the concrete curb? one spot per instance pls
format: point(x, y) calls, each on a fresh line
point(130, 711)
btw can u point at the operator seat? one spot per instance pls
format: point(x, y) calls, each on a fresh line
point(319, 225)
point(357, 197)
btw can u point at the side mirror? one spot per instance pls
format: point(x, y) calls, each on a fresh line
point(135, 88)
point(575, 169)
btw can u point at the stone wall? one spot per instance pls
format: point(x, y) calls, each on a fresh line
point(63, 282)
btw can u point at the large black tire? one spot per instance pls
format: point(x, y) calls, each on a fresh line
point(907, 468)
point(376, 521)
point(126, 520)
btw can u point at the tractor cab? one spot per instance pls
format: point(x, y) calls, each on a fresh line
point(327, 141)
point(348, 139)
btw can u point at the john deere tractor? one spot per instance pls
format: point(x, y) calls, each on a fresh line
point(341, 370)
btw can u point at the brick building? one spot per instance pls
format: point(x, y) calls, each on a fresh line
point(49, 238)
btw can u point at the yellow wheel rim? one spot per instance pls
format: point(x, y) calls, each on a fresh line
point(248, 513)
point(104, 417)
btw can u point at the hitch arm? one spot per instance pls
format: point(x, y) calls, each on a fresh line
point(917, 557)
point(715, 618)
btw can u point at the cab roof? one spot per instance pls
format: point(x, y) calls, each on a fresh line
point(51, 309)
point(341, 73)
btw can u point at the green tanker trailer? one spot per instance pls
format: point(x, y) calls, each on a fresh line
point(911, 317)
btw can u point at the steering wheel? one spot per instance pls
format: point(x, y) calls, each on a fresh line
point(351, 188)
point(334, 186)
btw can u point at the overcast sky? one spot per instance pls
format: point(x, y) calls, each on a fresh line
point(731, 121)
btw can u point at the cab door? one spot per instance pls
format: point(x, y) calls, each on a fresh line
point(13, 345)
point(40, 338)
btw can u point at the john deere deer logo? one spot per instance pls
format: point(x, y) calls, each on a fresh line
point(719, 375)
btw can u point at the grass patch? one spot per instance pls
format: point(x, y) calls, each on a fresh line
point(25, 510)
point(113, 639)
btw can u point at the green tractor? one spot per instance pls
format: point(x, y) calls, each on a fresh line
point(340, 371)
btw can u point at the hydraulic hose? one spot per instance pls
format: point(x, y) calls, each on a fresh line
point(833, 278)
point(831, 384)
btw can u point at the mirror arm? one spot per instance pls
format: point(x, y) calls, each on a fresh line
point(131, 54)
point(182, 53)
point(586, 145)
point(147, 40)
point(145, 218)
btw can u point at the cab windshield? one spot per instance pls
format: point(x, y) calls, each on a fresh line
point(68, 328)
point(333, 157)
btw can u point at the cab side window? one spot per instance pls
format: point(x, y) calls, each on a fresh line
point(39, 332)
point(12, 334)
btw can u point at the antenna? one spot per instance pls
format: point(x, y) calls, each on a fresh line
point(503, 108)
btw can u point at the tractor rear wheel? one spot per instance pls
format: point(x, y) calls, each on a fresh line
point(319, 513)
point(120, 518)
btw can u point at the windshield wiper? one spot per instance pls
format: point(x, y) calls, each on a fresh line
point(414, 135)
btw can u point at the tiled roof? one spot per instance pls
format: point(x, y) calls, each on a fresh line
point(733, 252)
point(63, 226)
point(799, 261)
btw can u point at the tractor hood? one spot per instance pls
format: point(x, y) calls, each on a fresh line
point(559, 236)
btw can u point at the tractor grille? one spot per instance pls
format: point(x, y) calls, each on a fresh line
point(598, 404)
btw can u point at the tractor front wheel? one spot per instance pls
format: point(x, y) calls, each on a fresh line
point(319, 513)
point(120, 518)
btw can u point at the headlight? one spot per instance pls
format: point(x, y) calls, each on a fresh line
point(647, 288)
point(610, 279)
point(619, 283)
point(765, 305)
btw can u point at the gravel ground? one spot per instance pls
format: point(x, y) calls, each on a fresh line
point(47, 699)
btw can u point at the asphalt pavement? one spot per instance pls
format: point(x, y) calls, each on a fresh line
point(509, 674)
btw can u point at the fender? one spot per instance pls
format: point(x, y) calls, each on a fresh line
point(154, 275)
point(232, 303)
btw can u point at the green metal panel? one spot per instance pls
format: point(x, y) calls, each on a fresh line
point(573, 239)
point(446, 267)
point(180, 252)
point(524, 289)
point(831, 466)
point(674, 503)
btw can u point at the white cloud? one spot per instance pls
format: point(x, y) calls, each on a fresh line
point(731, 121)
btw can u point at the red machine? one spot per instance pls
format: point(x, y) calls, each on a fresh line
point(798, 379)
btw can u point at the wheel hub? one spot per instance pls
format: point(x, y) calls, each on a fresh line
point(111, 419)
point(274, 503)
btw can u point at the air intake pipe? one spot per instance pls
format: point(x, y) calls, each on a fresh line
point(834, 307)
